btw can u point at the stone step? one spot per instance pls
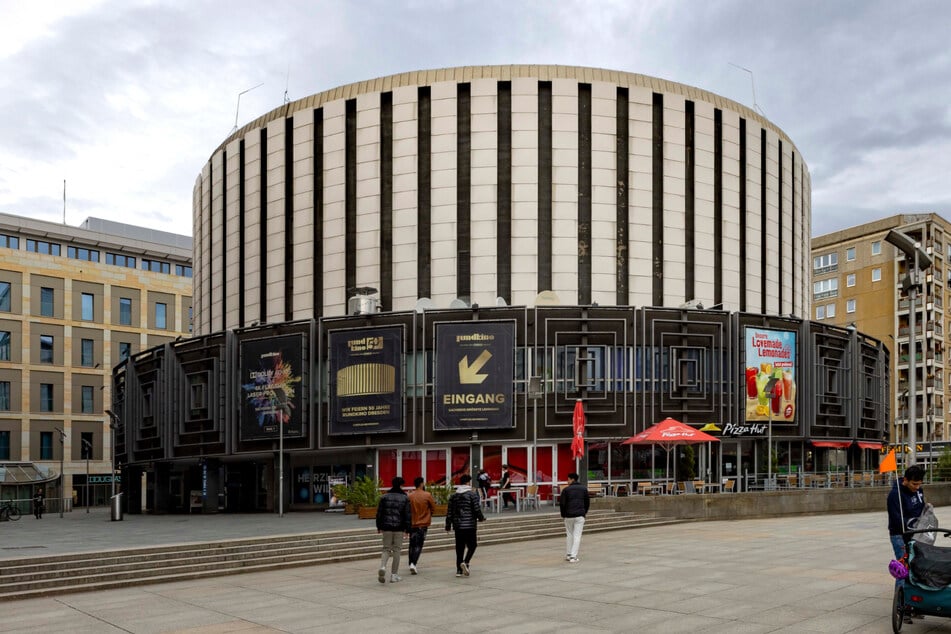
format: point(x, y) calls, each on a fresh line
point(42, 576)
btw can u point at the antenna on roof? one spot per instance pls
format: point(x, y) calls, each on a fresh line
point(753, 85)
point(238, 107)
point(287, 82)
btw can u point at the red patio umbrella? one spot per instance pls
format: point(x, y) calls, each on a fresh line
point(577, 424)
point(669, 433)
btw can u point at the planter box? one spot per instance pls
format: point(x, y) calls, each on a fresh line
point(367, 512)
point(441, 510)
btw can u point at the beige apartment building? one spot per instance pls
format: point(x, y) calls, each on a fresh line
point(74, 302)
point(858, 279)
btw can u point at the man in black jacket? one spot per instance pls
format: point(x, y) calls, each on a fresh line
point(574, 502)
point(465, 509)
point(393, 521)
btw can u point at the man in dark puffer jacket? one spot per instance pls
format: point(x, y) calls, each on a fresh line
point(574, 502)
point(393, 521)
point(465, 509)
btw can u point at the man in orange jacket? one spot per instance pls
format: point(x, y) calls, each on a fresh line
point(422, 505)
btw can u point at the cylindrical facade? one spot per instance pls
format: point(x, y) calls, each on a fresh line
point(500, 182)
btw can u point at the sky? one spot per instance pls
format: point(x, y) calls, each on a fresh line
point(125, 100)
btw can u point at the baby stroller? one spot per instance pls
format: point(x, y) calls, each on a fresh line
point(926, 570)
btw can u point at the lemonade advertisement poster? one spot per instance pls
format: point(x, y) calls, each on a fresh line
point(770, 354)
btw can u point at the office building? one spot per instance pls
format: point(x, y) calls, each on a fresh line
point(75, 301)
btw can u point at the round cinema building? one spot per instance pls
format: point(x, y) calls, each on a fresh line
point(423, 274)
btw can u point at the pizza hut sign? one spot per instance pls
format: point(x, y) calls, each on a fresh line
point(735, 430)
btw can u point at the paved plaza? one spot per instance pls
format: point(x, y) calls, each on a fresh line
point(796, 574)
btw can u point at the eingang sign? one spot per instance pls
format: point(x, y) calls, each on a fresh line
point(475, 366)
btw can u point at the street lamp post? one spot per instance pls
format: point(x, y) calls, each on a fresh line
point(87, 446)
point(535, 393)
point(768, 390)
point(113, 425)
point(922, 261)
point(62, 479)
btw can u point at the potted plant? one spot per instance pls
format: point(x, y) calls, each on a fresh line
point(441, 494)
point(365, 495)
point(344, 493)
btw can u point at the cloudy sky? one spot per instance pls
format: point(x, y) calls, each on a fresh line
point(125, 99)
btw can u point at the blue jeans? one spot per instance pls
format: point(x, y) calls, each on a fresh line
point(898, 545)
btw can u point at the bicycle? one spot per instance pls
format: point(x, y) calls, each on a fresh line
point(9, 511)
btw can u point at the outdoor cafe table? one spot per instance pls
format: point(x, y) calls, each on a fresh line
point(712, 487)
point(516, 492)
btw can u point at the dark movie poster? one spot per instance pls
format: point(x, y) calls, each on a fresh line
point(366, 391)
point(270, 388)
point(475, 366)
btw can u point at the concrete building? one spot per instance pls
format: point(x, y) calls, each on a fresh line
point(858, 279)
point(75, 301)
point(501, 181)
point(424, 273)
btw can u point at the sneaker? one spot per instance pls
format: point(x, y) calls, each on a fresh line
point(395, 578)
point(573, 560)
point(459, 573)
point(412, 569)
point(568, 557)
point(381, 575)
point(465, 569)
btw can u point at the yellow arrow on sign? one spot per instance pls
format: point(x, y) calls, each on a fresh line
point(470, 373)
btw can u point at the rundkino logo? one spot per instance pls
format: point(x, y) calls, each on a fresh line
point(476, 336)
point(472, 399)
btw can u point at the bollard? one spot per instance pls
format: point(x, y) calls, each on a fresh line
point(115, 507)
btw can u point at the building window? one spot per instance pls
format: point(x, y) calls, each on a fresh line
point(46, 348)
point(46, 445)
point(830, 311)
point(85, 443)
point(125, 350)
point(125, 311)
point(160, 318)
point(87, 353)
point(820, 312)
point(155, 266)
point(46, 397)
point(850, 306)
point(850, 279)
point(9, 242)
point(5, 297)
point(88, 307)
point(41, 246)
point(4, 445)
point(120, 260)
point(5, 396)
point(825, 288)
point(876, 275)
point(183, 271)
point(877, 247)
point(87, 399)
point(825, 263)
point(80, 253)
point(850, 254)
point(4, 345)
point(46, 302)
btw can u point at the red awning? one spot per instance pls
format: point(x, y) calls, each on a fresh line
point(831, 444)
point(877, 446)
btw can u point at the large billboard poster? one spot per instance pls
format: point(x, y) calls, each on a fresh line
point(366, 381)
point(475, 366)
point(770, 354)
point(270, 372)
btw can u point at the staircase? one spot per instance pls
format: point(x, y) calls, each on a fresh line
point(83, 572)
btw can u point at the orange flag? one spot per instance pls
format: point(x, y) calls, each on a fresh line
point(889, 463)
